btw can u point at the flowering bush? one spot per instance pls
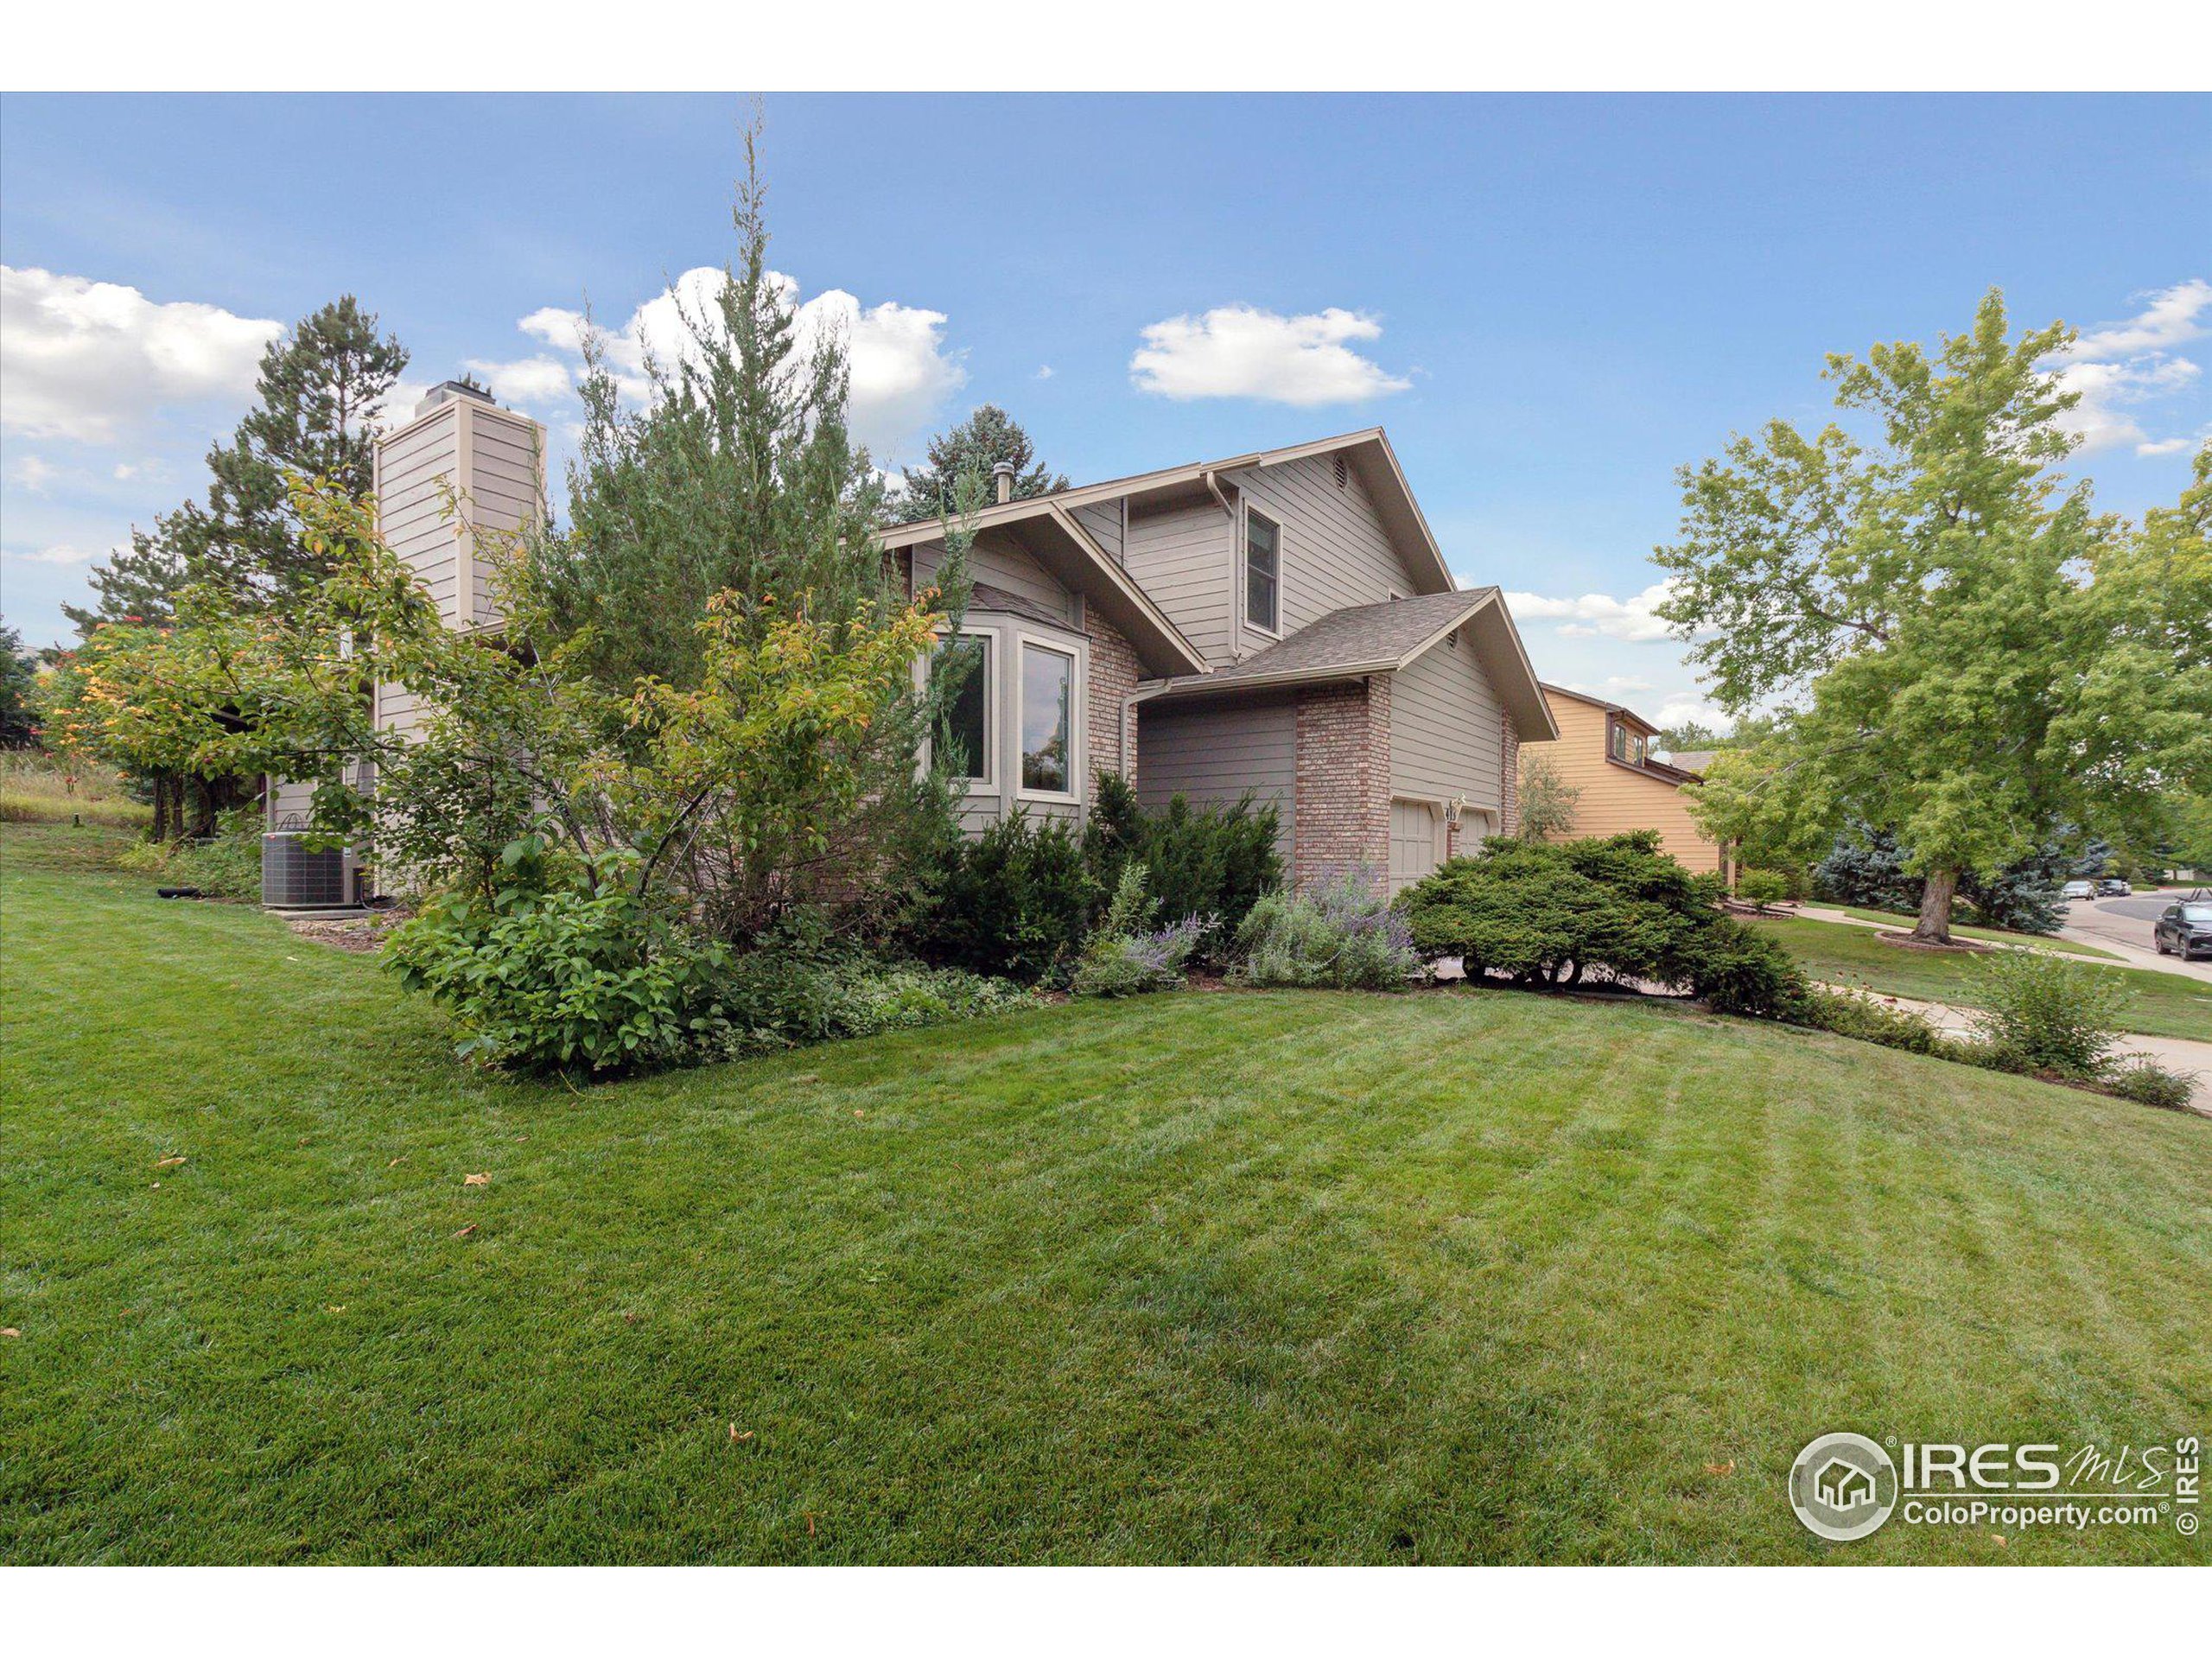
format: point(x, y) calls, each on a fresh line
point(1124, 958)
point(1341, 934)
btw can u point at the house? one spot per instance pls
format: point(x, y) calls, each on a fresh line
point(1606, 752)
point(1280, 622)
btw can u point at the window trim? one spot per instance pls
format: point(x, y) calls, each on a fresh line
point(988, 783)
point(1025, 642)
point(1244, 571)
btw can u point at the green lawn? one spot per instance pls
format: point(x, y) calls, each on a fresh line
point(2162, 1005)
point(1993, 935)
point(1460, 1275)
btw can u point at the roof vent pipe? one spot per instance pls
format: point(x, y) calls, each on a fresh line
point(1002, 474)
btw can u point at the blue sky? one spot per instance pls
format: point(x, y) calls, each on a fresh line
point(1549, 301)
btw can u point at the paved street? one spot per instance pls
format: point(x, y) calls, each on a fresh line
point(2123, 925)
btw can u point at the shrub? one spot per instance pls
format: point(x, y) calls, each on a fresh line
point(781, 998)
point(564, 967)
point(1124, 958)
point(1868, 1020)
point(1213, 861)
point(1738, 971)
point(1339, 934)
point(2055, 1014)
point(2152, 1084)
point(1760, 889)
point(1011, 902)
point(225, 866)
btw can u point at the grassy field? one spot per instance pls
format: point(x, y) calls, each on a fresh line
point(2161, 1005)
point(1993, 935)
point(1461, 1275)
point(34, 790)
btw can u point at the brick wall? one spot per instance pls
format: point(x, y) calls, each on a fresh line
point(1114, 672)
point(1341, 811)
point(1509, 758)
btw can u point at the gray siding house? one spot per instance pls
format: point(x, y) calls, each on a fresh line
point(1280, 622)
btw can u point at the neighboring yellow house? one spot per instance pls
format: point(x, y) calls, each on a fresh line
point(1606, 752)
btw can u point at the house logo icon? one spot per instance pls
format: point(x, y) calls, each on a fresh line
point(1843, 1486)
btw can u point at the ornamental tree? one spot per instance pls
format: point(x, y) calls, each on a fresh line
point(1956, 646)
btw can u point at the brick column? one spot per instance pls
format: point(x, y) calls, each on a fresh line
point(1341, 814)
point(1509, 776)
point(1114, 674)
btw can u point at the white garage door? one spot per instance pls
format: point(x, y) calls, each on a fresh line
point(1413, 841)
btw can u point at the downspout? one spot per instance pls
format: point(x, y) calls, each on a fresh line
point(1213, 483)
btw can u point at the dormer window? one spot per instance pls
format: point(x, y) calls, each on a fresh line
point(1262, 571)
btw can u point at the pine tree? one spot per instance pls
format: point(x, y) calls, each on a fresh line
point(977, 444)
point(318, 387)
point(17, 675)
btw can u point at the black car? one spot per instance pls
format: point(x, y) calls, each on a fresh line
point(2184, 929)
point(2113, 887)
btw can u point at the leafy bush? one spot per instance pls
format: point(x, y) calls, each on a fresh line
point(1869, 1022)
point(2152, 1084)
point(1213, 861)
point(565, 967)
point(1616, 905)
point(2055, 1014)
point(226, 866)
point(1738, 971)
point(776, 998)
point(1340, 934)
point(1760, 889)
point(1013, 901)
point(1125, 958)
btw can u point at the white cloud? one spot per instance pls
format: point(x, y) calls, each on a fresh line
point(125, 471)
point(1679, 711)
point(2170, 319)
point(1044, 371)
point(901, 371)
point(1634, 618)
point(30, 472)
point(85, 360)
point(2131, 363)
point(56, 555)
point(1239, 350)
point(2164, 446)
point(531, 382)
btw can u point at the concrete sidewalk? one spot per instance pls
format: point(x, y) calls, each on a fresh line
point(2176, 1053)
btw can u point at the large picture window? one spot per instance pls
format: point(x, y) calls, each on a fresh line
point(967, 725)
point(1262, 571)
point(1047, 720)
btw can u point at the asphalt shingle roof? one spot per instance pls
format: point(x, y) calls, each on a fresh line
point(1359, 636)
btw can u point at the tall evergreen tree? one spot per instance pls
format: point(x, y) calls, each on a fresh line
point(975, 446)
point(17, 675)
point(318, 387)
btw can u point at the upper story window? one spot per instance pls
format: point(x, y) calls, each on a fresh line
point(1619, 737)
point(1262, 571)
point(967, 725)
point(1047, 719)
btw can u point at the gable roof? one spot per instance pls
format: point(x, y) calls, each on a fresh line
point(1620, 710)
point(1369, 451)
point(1384, 638)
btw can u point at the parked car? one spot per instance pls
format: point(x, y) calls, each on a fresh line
point(2113, 887)
point(2184, 929)
point(2080, 890)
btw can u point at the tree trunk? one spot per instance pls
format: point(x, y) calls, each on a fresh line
point(1935, 924)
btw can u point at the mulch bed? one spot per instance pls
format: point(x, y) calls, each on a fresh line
point(362, 934)
point(1957, 947)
